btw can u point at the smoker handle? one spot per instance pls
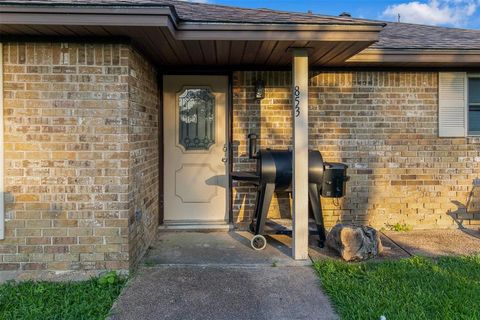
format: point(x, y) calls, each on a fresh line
point(252, 146)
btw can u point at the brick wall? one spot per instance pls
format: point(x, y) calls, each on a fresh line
point(143, 141)
point(69, 148)
point(81, 161)
point(384, 125)
point(270, 119)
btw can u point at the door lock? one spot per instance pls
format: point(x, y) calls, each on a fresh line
point(225, 158)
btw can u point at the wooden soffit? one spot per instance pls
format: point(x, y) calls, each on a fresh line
point(168, 41)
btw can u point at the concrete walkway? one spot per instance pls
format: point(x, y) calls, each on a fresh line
point(190, 275)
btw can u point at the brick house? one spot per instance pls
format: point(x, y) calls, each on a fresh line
point(103, 139)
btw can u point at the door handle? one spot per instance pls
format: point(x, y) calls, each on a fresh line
point(224, 160)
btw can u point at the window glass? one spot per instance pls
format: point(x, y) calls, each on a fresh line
point(197, 119)
point(474, 105)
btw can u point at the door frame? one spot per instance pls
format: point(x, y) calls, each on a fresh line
point(228, 138)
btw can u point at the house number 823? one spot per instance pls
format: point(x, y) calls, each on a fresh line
point(296, 94)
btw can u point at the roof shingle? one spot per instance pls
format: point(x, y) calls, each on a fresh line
point(393, 36)
point(202, 12)
point(413, 36)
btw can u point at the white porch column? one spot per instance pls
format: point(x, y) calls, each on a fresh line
point(2, 204)
point(300, 153)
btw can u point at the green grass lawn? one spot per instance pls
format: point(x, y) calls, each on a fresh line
point(90, 299)
point(413, 288)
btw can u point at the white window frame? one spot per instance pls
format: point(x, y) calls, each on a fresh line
point(467, 106)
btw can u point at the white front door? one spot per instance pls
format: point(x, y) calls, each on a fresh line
point(195, 152)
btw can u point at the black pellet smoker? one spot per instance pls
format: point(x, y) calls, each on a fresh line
point(274, 174)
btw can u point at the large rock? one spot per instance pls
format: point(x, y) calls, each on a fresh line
point(355, 243)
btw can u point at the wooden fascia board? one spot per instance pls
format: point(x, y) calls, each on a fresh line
point(94, 16)
point(276, 32)
point(185, 26)
point(277, 35)
point(86, 20)
point(125, 10)
point(416, 56)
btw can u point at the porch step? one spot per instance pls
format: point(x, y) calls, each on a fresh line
point(195, 226)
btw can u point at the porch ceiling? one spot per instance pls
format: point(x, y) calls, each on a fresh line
point(169, 42)
point(164, 50)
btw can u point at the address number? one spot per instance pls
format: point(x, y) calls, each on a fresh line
point(296, 94)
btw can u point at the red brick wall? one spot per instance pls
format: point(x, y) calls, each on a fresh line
point(384, 125)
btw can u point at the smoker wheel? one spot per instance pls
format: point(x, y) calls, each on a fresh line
point(258, 242)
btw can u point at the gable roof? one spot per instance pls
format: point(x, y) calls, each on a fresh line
point(204, 12)
point(232, 36)
point(393, 36)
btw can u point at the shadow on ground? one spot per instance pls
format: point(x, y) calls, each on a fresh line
point(438, 242)
point(390, 250)
point(428, 243)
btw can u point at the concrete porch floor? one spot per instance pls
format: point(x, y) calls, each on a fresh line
point(219, 248)
point(217, 275)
